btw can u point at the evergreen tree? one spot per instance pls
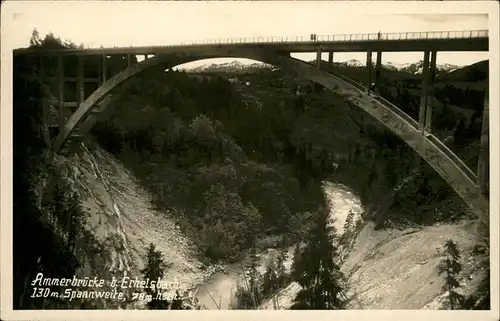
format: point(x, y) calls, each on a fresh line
point(269, 280)
point(155, 269)
point(253, 281)
point(35, 40)
point(247, 296)
point(348, 226)
point(243, 299)
point(281, 276)
point(451, 266)
point(177, 301)
point(317, 273)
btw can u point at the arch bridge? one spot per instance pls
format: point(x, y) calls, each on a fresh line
point(92, 87)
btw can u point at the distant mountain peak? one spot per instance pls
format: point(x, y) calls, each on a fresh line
point(229, 66)
point(417, 67)
point(235, 66)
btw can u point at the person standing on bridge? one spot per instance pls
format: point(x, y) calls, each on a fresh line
point(379, 35)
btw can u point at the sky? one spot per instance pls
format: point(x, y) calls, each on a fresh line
point(115, 23)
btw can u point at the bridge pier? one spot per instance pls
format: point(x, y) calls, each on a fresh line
point(129, 60)
point(483, 168)
point(330, 58)
point(60, 85)
point(79, 82)
point(423, 94)
point(368, 70)
point(318, 59)
point(430, 95)
point(377, 71)
point(104, 69)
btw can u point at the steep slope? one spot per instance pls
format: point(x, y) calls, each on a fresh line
point(392, 269)
point(398, 269)
point(120, 217)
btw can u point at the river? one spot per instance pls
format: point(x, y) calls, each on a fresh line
point(216, 292)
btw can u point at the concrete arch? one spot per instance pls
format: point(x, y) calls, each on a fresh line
point(441, 159)
point(159, 61)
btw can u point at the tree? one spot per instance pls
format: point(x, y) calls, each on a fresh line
point(315, 270)
point(35, 40)
point(177, 301)
point(281, 274)
point(451, 266)
point(154, 269)
point(247, 296)
point(253, 282)
point(269, 280)
point(348, 226)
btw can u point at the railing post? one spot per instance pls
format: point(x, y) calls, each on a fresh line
point(430, 96)
point(368, 70)
point(60, 82)
point(423, 94)
point(483, 166)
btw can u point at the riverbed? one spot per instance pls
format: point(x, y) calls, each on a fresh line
point(216, 292)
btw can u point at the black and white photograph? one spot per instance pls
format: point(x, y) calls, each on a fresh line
point(249, 155)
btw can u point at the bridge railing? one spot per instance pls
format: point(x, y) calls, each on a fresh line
point(432, 138)
point(463, 34)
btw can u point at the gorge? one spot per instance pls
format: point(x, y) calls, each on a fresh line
point(208, 170)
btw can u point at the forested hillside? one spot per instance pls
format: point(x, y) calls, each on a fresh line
point(256, 164)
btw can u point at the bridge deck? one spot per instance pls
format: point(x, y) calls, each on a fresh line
point(471, 40)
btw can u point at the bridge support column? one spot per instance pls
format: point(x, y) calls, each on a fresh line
point(483, 166)
point(330, 58)
point(80, 85)
point(104, 69)
point(430, 95)
point(368, 71)
point(129, 60)
point(60, 85)
point(318, 59)
point(378, 68)
point(423, 94)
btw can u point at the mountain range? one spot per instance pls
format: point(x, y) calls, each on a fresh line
point(229, 67)
point(238, 67)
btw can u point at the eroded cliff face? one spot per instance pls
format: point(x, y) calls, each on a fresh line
point(392, 269)
point(121, 221)
point(398, 269)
